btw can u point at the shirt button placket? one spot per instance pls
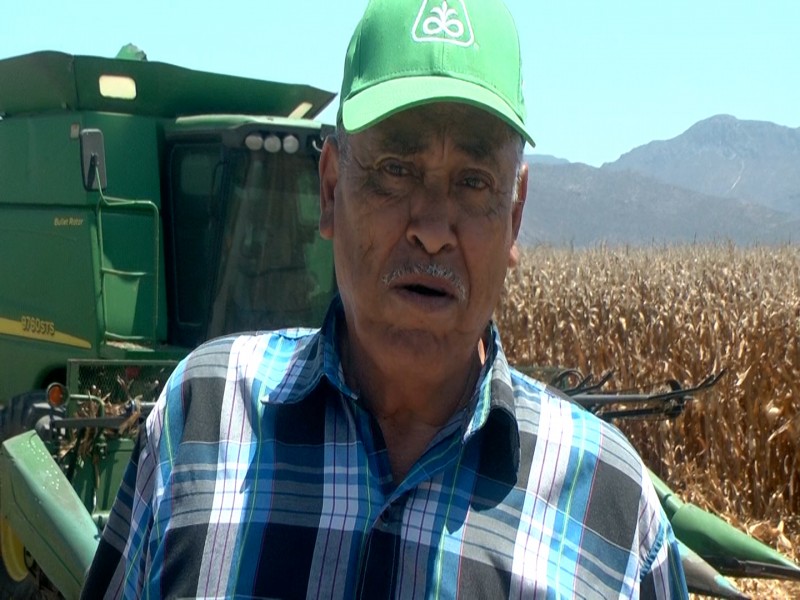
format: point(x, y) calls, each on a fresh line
point(392, 515)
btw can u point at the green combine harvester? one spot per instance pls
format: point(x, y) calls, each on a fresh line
point(145, 208)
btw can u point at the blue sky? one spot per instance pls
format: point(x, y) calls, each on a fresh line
point(601, 77)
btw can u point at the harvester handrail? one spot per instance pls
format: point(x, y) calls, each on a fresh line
point(665, 404)
point(110, 201)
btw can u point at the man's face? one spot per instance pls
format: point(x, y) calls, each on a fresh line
point(423, 210)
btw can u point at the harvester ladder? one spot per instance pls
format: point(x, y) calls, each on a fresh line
point(107, 272)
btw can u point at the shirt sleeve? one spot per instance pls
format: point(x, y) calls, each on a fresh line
point(662, 575)
point(121, 561)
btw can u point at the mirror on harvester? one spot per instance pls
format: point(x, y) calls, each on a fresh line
point(93, 159)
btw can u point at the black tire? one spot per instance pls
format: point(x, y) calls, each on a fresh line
point(16, 590)
point(23, 412)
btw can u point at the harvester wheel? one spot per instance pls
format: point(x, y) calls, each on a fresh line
point(15, 579)
point(23, 412)
point(12, 552)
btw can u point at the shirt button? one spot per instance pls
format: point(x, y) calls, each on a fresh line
point(393, 513)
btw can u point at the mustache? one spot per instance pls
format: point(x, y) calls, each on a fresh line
point(434, 270)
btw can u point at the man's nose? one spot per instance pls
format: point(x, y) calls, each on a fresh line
point(432, 220)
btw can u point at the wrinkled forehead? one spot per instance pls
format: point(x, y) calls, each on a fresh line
point(477, 133)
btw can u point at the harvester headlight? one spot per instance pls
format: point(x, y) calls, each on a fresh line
point(272, 143)
point(291, 144)
point(253, 141)
point(56, 394)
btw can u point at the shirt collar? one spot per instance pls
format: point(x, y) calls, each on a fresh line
point(314, 360)
point(492, 401)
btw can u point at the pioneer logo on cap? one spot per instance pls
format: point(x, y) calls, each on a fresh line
point(440, 21)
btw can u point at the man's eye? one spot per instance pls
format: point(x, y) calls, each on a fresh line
point(396, 169)
point(475, 183)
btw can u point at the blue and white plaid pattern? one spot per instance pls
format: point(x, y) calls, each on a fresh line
point(260, 475)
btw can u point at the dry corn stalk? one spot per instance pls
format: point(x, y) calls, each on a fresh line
point(653, 314)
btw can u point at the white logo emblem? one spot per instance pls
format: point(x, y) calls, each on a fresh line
point(439, 21)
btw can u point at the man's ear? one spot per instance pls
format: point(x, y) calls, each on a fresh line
point(328, 179)
point(516, 213)
point(513, 255)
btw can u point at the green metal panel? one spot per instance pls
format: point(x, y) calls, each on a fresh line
point(46, 513)
point(48, 309)
point(47, 273)
point(49, 243)
point(40, 158)
point(133, 150)
point(47, 81)
point(97, 483)
point(132, 276)
point(129, 226)
point(51, 305)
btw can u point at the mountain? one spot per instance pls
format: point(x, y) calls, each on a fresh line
point(580, 205)
point(545, 159)
point(753, 161)
point(723, 179)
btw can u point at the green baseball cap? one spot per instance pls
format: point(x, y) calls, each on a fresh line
point(405, 53)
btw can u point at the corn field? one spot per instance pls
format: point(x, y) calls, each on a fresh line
point(658, 314)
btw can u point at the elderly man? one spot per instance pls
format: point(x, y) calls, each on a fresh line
point(394, 453)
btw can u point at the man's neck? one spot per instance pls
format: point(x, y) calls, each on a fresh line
point(411, 405)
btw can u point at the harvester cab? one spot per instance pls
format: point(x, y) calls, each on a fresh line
point(144, 208)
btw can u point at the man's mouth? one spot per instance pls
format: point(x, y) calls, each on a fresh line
point(424, 290)
point(431, 281)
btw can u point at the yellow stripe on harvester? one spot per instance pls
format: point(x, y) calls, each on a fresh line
point(16, 328)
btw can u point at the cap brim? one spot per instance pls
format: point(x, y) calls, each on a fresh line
point(382, 100)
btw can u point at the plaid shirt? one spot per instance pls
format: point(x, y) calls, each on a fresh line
point(260, 474)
